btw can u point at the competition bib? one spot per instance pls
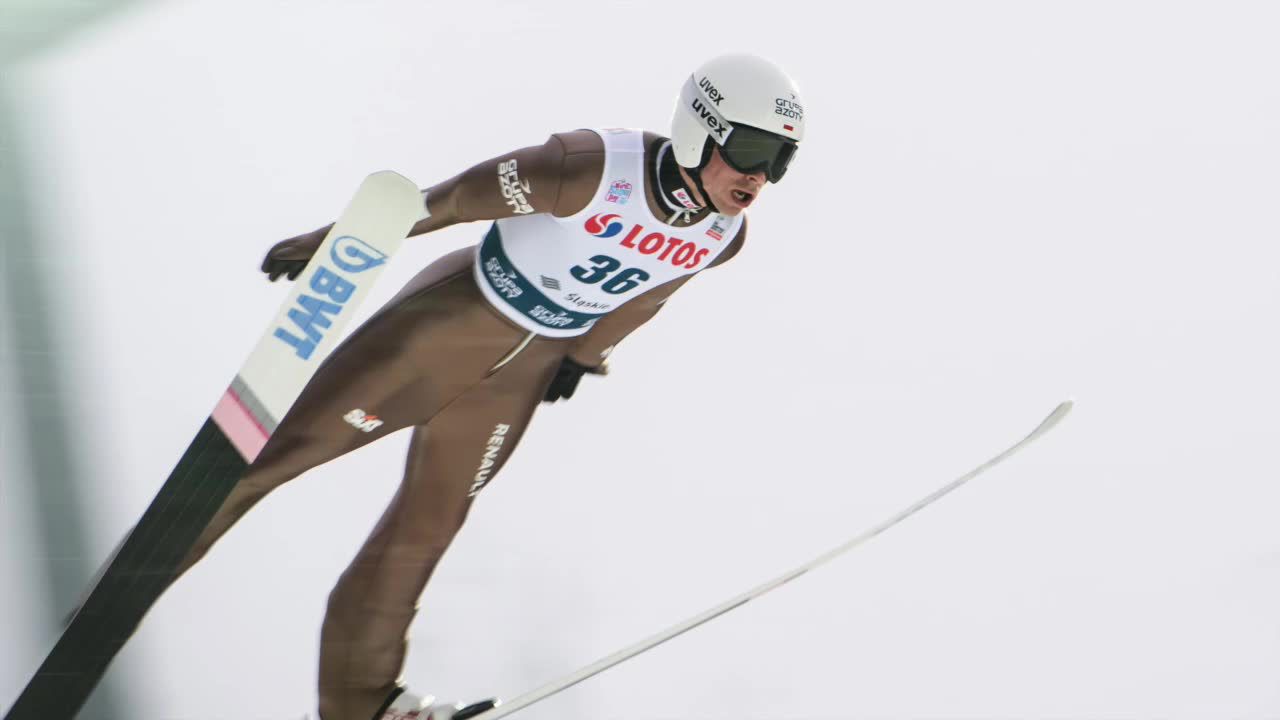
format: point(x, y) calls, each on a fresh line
point(557, 276)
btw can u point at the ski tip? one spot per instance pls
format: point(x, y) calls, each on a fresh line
point(396, 193)
point(1056, 416)
point(391, 176)
point(393, 184)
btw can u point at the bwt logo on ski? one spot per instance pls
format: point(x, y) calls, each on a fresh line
point(355, 255)
point(489, 459)
point(329, 292)
point(603, 226)
point(361, 421)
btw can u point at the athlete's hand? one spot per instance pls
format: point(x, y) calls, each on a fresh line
point(567, 377)
point(289, 257)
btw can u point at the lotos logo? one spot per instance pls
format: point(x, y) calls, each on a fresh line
point(670, 249)
point(603, 225)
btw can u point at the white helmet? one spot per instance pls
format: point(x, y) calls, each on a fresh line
point(748, 106)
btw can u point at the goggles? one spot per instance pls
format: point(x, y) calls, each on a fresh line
point(749, 150)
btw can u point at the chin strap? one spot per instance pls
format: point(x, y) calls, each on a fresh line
point(696, 174)
point(685, 214)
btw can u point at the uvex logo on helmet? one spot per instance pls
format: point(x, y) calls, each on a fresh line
point(712, 92)
point(603, 225)
point(709, 118)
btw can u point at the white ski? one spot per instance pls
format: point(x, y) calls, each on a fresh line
point(523, 701)
point(307, 326)
point(320, 305)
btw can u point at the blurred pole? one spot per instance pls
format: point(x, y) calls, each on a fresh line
point(54, 476)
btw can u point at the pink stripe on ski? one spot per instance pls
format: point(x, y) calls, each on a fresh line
point(242, 429)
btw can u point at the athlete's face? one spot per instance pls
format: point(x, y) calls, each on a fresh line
point(730, 190)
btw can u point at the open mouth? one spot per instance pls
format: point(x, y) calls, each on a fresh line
point(742, 196)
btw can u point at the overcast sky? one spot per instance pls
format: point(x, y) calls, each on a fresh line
point(997, 206)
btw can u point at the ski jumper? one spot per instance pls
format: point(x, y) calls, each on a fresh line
point(578, 256)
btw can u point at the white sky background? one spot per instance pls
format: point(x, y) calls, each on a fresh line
point(998, 205)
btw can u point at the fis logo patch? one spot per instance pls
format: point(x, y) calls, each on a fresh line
point(603, 225)
point(361, 421)
point(619, 192)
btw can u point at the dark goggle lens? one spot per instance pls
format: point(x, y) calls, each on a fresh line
point(750, 150)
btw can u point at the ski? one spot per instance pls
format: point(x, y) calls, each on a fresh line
point(303, 332)
point(546, 691)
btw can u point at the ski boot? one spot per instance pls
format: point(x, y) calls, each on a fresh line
point(407, 706)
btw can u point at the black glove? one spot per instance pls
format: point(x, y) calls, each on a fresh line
point(567, 377)
point(289, 257)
